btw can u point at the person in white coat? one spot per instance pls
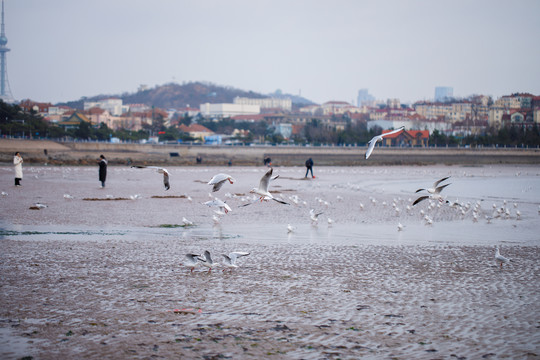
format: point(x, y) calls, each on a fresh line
point(17, 162)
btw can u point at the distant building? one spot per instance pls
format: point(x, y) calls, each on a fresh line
point(364, 98)
point(196, 131)
point(443, 92)
point(113, 105)
point(228, 110)
point(265, 103)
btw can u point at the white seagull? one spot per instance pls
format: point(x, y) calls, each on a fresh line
point(159, 170)
point(230, 260)
point(191, 261)
point(499, 259)
point(290, 228)
point(207, 261)
point(218, 180)
point(262, 190)
point(187, 222)
point(433, 189)
point(222, 205)
point(372, 142)
point(436, 195)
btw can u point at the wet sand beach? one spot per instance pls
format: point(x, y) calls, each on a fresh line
point(99, 274)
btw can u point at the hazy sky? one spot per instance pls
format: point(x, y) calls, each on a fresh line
point(326, 50)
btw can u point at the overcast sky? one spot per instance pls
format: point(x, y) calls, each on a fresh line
point(63, 50)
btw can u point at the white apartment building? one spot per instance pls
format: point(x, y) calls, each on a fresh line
point(269, 103)
point(228, 110)
point(112, 105)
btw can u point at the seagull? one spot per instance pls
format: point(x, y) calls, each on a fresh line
point(262, 190)
point(159, 170)
point(187, 222)
point(67, 196)
point(230, 260)
point(4, 193)
point(499, 258)
point(191, 261)
point(433, 189)
point(372, 142)
point(290, 228)
point(314, 216)
point(207, 261)
point(38, 206)
point(434, 196)
point(218, 181)
point(399, 227)
point(220, 204)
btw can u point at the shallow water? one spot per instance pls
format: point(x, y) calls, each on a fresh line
point(98, 278)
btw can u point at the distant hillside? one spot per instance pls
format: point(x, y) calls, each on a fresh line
point(192, 94)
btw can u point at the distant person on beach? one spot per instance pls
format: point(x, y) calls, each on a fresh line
point(102, 170)
point(17, 162)
point(309, 167)
point(267, 161)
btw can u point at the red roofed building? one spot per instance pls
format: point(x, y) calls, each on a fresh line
point(196, 131)
point(407, 138)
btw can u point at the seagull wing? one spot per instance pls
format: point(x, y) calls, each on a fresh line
point(440, 181)
point(439, 189)
point(371, 145)
point(393, 132)
point(421, 198)
point(281, 201)
point(236, 254)
point(263, 184)
point(218, 185)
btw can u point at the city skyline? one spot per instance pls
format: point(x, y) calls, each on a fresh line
point(63, 50)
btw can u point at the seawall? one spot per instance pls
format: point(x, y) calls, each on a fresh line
point(86, 153)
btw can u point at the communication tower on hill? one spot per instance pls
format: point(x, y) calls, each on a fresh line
point(5, 92)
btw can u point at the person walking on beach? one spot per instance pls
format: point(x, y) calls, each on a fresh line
point(102, 170)
point(17, 162)
point(309, 167)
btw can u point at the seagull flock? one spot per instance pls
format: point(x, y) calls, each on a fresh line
point(261, 194)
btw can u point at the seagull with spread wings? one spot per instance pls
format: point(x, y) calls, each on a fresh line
point(372, 142)
point(159, 170)
point(218, 180)
point(262, 191)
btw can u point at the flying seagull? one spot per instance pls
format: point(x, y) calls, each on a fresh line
point(191, 261)
point(262, 190)
point(435, 196)
point(230, 260)
point(373, 141)
point(432, 190)
point(222, 205)
point(218, 180)
point(207, 261)
point(159, 170)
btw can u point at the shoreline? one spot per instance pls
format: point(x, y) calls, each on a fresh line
point(86, 153)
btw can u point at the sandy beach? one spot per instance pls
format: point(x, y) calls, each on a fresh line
point(99, 274)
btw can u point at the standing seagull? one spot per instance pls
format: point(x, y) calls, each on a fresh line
point(432, 190)
point(191, 261)
point(230, 260)
point(218, 180)
point(373, 141)
point(207, 261)
point(262, 190)
point(499, 259)
point(159, 170)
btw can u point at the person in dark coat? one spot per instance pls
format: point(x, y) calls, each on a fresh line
point(309, 167)
point(102, 170)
